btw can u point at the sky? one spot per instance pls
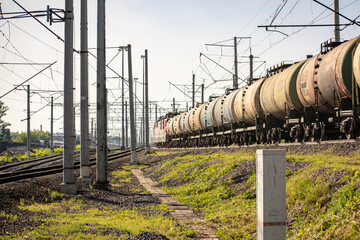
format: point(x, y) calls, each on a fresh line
point(174, 32)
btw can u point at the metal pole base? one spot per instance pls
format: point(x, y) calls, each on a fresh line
point(133, 158)
point(68, 188)
point(84, 182)
point(102, 186)
point(85, 171)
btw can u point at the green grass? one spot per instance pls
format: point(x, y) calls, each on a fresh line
point(323, 197)
point(35, 153)
point(71, 219)
point(159, 153)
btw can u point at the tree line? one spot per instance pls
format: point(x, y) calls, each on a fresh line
point(7, 136)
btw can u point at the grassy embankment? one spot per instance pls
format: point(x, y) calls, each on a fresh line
point(323, 194)
point(323, 200)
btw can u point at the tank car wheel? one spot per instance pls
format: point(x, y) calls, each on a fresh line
point(268, 136)
point(250, 139)
point(322, 132)
point(229, 141)
point(279, 135)
point(350, 135)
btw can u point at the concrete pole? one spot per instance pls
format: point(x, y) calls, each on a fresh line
point(143, 108)
point(101, 147)
point(193, 90)
point(122, 98)
point(28, 143)
point(68, 186)
point(202, 93)
point(52, 126)
point(135, 109)
point(173, 105)
point(84, 179)
point(132, 117)
point(271, 194)
point(251, 57)
point(155, 112)
point(235, 82)
point(147, 143)
point(337, 21)
point(92, 132)
point(126, 126)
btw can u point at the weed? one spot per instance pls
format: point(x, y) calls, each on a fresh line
point(70, 222)
point(56, 195)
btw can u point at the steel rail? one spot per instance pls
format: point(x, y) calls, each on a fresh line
point(26, 174)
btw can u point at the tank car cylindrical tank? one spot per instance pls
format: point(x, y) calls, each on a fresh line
point(278, 92)
point(331, 74)
point(169, 126)
point(205, 117)
point(185, 123)
point(180, 123)
point(190, 117)
point(356, 63)
point(212, 105)
point(247, 105)
point(195, 120)
point(229, 106)
point(217, 112)
point(176, 124)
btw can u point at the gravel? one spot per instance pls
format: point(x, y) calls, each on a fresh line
point(39, 190)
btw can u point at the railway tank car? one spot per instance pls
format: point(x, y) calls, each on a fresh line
point(314, 99)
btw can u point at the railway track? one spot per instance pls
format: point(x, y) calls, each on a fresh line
point(26, 172)
point(314, 143)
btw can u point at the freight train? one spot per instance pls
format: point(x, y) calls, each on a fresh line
point(312, 100)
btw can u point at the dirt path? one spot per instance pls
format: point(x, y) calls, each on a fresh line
point(181, 212)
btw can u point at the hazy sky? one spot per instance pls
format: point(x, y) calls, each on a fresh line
point(174, 32)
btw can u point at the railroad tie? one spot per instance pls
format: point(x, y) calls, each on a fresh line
point(181, 212)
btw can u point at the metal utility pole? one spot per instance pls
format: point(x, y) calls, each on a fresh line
point(52, 126)
point(143, 107)
point(28, 144)
point(122, 98)
point(173, 105)
point(147, 143)
point(68, 186)
point(235, 82)
point(202, 93)
point(251, 57)
point(84, 179)
point(193, 90)
point(101, 147)
point(135, 108)
point(92, 132)
point(126, 126)
point(132, 118)
point(337, 21)
point(155, 112)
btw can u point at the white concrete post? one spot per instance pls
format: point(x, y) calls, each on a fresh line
point(271, 194)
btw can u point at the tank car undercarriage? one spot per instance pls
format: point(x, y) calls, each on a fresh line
point(311, 126)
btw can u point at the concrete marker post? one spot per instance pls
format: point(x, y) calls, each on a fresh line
point(271, 194)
